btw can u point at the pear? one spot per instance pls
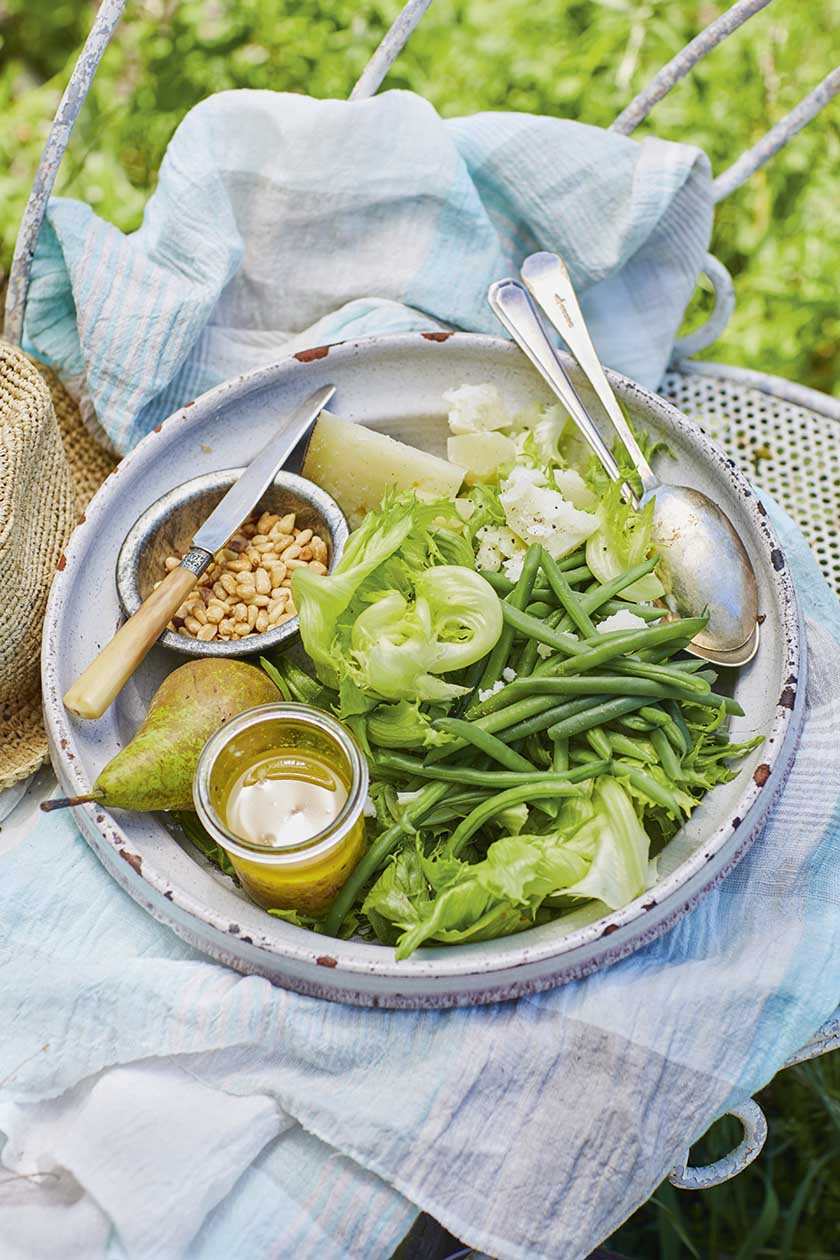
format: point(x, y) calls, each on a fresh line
point(155, 771)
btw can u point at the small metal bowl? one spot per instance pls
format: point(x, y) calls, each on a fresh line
point(167, 527)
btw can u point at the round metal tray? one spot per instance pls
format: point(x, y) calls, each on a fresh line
point(396, 384)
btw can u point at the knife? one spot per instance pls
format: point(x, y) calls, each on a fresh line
point(103, 680)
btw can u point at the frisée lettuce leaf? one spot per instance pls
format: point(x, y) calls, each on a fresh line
point(395, 614)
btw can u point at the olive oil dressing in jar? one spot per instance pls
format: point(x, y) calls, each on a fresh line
point(282, 789)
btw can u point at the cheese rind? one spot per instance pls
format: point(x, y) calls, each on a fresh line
point(358, 466)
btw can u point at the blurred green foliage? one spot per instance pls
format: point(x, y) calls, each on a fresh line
point(577, 58)
point(581, 59)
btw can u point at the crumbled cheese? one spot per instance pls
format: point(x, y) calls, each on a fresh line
point(475, 409)
point(495, 543)
point(624, 619)
point(508, 674)
point(544, 651)
point(536, 513)
point(486, 692)
point(513, 566)
point(369, 810)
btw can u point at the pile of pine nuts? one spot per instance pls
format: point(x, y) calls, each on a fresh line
point(246, 589)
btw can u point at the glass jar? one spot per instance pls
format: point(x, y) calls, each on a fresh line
point(307, 874)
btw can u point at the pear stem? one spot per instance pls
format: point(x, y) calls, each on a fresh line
point(66, 802)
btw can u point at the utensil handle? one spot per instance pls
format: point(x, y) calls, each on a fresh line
point(107, 674)
point(547, 279)
point(514, 308)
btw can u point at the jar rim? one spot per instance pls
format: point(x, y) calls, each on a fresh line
point(304, 714)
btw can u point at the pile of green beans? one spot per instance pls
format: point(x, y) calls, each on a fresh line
point(552, 707)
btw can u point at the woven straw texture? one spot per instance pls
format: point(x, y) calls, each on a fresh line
point(49, 468)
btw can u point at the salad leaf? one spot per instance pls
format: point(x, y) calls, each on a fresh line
point(624, 538)
point(391, 618)
point(500, 894)
point(617, 845)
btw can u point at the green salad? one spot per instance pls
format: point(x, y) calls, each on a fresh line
point(534, 732)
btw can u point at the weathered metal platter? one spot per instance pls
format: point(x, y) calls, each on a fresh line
point(396, 384)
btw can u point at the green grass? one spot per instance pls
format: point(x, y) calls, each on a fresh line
point(579, 59)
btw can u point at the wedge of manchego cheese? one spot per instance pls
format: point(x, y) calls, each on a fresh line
point(357, 466)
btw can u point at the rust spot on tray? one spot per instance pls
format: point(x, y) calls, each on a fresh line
point(157, 428)
point(168, 894)
point(762, 509)
point(649, 905)
point(761, 774)
point(787, 698)
point(317, 352)
point(63, 743)
point(436, 336)
point(777, 558)
point(62, 562)
point(189, 404)
point(249, 940)
point(134, 860)
point(233, 928)
point(326, 960)
point(81, 519)
point(609, 929)
point(736, 823)
point(761, 618)
point(100, 818)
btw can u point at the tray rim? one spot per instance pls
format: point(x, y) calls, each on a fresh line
point(368, 974)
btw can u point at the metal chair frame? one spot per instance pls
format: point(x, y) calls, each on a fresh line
point(685, 381)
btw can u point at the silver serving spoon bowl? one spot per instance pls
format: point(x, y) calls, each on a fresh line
point(702, 559)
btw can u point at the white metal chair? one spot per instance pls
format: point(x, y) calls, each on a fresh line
point(746, 412)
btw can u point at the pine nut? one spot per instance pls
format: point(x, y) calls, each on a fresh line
point(199, 613)
point(287, 523)
point(306, 553)
point(206, 633)
point(304, 537)
point(192, 625)
point(241, 628)
point(215, 614)
point(291, 553)
point(317, 567)
point(253, 613)
point(241, 565)
point(261, 601)
point(228, 585)
point(170, 563)
point(301, 564)
point(263, 582)
point(261, 624)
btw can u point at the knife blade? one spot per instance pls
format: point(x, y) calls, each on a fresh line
point(246, 493)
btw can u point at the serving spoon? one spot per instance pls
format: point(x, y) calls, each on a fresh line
point(702, 559)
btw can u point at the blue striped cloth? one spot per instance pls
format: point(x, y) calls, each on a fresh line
point(184, 1112)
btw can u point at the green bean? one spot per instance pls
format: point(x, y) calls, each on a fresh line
point(560, 756)
point(469, 776)
point(574, 685)
point(547, 788)
point(592, 600)
point(485, 743)
point(623, 746)
point(600, 743)
point(382, 846)
point(668, 759)
point(518, 598)
point(651, 787)
point(540, 609)
point(645, 611)
point(594, 715)
point(677, 680)
point(473, 673)
point(619, 644)
point(567, 597)
point(520, 621)
point(547, 718)
point(633, 723)
point(679, 721)
point(657, 717)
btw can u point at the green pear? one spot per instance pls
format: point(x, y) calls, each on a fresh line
point(155, 771)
